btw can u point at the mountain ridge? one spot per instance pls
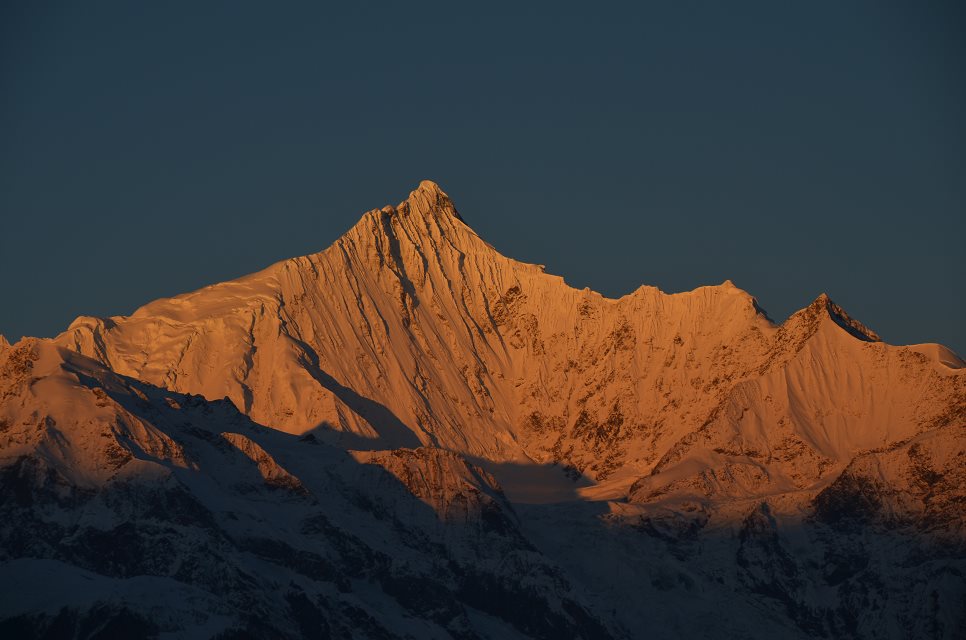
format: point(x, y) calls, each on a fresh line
point(428, 192)
point(415, 282)
point(409, 394)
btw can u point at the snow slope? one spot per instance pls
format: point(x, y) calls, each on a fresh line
point(487, 452)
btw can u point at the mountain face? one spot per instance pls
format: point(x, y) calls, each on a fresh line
point(411, 435)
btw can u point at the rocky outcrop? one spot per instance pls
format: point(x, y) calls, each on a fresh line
point(457, 491)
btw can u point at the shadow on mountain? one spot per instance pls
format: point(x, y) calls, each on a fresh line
point(389, 437)
point(217, 543)
point(221, 545)
point(393, 432)
point(532, 483)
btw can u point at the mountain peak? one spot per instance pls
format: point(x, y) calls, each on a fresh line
point(844, 320)
point(429, 187)
point(429, 198)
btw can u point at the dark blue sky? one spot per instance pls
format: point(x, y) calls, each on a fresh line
point(147, 149)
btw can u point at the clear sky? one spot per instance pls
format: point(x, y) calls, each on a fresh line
point(150, 148)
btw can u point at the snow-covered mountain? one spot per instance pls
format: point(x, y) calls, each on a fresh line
point(411, 434)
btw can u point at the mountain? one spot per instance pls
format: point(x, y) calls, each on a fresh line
point(130, 510)
point(409, 433)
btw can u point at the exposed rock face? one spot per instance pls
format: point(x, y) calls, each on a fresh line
point(919, 483)
point(457, 491)
point(272, 473)
point(703, 459)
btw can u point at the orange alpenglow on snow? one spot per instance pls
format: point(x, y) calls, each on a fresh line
point(411, 373)
point(411, 330)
